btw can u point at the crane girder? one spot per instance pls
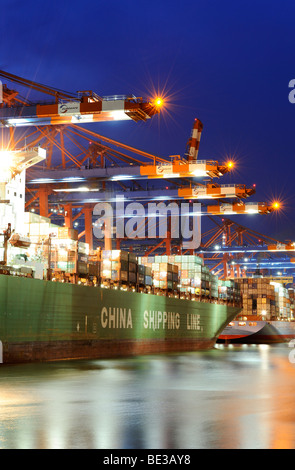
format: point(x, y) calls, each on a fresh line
point(82, 107)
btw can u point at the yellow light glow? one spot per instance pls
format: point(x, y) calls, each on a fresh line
point(6, 159)
point(230, 164)
point(6, 165)
point(158, 102)
point(276, 205)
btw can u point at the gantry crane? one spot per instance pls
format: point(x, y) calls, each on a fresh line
point(231, 250)
point(81, 107)
point(107, 161)
point(102, 165)
point(105, 168)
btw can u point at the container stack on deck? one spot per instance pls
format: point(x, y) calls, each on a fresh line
point(183, 276)
point(164, 275)
point(292, 299)
point(67, 254)
point(94, 265)
point(114, 266)
point(262, 297)
point(194, 279)
point(282, 300)
point(121, 269)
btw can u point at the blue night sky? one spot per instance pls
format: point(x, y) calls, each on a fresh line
point(227, 63)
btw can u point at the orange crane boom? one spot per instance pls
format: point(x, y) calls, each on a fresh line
point(240, 208)
point(218, 191)
point(82, 107)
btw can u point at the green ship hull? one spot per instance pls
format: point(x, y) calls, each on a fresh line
point(48, 321)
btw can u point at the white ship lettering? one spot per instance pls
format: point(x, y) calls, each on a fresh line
point(193, 321)
point(116, 317)
point(155, 319)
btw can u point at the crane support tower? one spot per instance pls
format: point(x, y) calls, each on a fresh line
point(194, 141)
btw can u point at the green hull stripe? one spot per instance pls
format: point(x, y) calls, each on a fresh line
point(35, 310)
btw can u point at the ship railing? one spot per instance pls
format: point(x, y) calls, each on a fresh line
point(8, 270)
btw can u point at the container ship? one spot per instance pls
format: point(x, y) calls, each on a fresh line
point(267, 316)
point(106, 303)
point(60, 301)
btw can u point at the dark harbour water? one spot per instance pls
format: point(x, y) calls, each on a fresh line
point(239, 397)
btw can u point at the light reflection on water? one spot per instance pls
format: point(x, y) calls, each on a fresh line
point(230, 397)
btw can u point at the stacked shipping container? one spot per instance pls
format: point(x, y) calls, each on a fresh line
point(193, 278)
point(266, 299)
point(66, 253)
point(121, 267)
point(181, 275)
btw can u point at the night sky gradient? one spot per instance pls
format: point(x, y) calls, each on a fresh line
point(227, 63)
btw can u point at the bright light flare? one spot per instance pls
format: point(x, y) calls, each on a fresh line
point(230, 164)
point(6, 159)
point(276, 205)
point(158, 102)
point(6, 165)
